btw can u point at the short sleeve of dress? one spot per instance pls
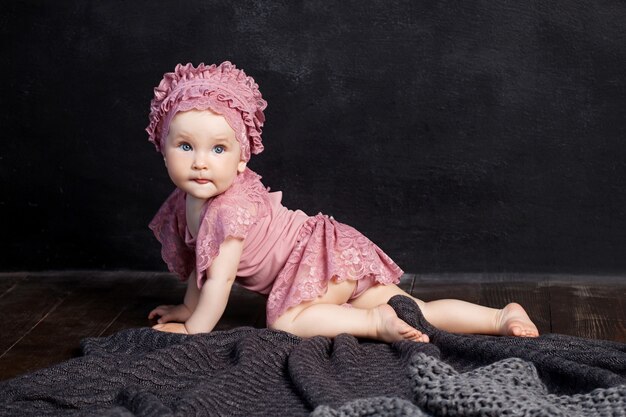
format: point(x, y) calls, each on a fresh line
point(230, 214)
point(169, 226)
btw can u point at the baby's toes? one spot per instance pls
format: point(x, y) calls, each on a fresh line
point(407, 332)
point(418, 336)
point(530, 333)
point(516, 331)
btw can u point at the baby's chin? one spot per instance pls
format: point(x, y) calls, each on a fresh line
point(201, 191)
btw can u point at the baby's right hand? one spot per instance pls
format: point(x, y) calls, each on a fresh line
point(168, 313)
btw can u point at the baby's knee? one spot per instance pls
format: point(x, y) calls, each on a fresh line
point(421, 304)
point(283, 323)
point(275, 326)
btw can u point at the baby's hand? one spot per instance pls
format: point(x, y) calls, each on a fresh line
point(179, 313)
point(171, 328)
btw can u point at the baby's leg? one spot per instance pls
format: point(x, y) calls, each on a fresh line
point(325, 316)
point(459, 316)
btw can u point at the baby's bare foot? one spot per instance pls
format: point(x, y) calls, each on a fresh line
point(513, 321)
point(390, 328)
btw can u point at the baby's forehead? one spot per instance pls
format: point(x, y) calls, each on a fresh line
point(202, 121)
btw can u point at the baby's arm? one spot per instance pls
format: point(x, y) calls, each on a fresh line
point(212, 298)
point(216, 290)
point(181, 312)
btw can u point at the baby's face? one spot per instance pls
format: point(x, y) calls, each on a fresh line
point(201, 153)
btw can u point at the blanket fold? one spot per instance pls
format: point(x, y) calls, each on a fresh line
point(261, 372)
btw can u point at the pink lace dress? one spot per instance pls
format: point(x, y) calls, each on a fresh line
point(286, 255)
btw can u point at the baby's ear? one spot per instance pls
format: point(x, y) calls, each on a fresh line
point(241, 166)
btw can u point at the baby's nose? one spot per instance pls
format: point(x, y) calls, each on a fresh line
point(200, 162)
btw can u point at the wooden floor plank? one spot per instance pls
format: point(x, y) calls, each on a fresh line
point(8, 282)
point(153, 290)
point(406, 282)
point(429, 287)
point(244, 308)
point(47, 314)
point(89, 305)
point(29, 300)
point(597, 312)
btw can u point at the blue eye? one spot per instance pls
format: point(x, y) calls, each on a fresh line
point(185, 147)
point(219, 149)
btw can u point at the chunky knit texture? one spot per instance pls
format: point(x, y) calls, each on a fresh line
point(259, 372)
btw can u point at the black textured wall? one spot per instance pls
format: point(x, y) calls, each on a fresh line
point(459, 136)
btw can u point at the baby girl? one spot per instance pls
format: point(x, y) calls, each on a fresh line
point(221, 225)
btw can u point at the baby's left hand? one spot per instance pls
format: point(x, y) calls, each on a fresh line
point(171, 328)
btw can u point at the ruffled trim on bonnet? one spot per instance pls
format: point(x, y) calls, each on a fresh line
point(225, 83)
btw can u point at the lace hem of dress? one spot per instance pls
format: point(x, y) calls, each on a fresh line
point(326, 250)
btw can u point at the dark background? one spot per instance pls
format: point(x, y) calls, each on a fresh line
point(459, 136)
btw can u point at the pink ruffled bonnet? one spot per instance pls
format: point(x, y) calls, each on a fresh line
point(223, 89)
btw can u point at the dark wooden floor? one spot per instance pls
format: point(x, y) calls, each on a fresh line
point(45, 315)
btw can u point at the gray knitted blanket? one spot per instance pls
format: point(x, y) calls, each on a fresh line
point(259, 372)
